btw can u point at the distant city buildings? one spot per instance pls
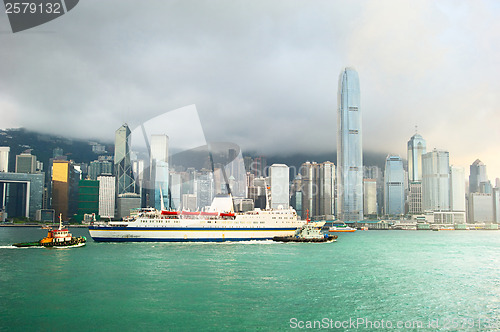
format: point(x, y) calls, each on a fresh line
point(349, 148)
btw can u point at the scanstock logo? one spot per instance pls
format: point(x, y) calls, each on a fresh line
point(26, 14)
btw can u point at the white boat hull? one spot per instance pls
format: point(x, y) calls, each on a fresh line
point(125, 234)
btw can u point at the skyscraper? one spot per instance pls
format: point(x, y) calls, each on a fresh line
point(349, 148)
point(436, 181)
point(107, 188)
point(123, 166)
point(394, 189)
point(416, 149)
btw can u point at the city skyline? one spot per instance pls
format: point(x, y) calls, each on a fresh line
point(262, 73)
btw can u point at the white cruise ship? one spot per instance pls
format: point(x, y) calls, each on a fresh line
point(218, 223)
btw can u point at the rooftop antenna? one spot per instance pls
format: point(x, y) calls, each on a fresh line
point(416, 129)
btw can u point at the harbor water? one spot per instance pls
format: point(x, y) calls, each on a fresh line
point(447, 280)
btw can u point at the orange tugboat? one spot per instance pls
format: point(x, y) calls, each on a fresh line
point(57, 238)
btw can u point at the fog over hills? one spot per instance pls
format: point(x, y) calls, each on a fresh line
point(79, 150)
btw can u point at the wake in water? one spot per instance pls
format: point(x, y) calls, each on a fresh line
point(13, 247)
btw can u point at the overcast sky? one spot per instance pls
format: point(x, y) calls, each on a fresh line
point(264, 74)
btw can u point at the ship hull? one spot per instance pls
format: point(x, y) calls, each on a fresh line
point(128, 234)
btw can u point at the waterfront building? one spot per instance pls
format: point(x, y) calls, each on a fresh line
point(64, 188)
point(107, 190)
point(159, 172)
point(436, 181)
point(457, 189)
point(88, 200)
point(25, 163)
point(477, 176)
point(280, 186)
point(394, 186)
point(480, 208)
point(370, 207)
point(349, 148)
point(21, 194)
point(4, 158)
point(123, 166)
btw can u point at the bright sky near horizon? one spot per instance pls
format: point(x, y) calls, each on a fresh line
point(264, 74)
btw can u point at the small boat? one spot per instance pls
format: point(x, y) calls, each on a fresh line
point(57, 238)
point(45, 227)
point(310, 232)
point(341, 228)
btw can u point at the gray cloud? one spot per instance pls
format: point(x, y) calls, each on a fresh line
point(263, 74)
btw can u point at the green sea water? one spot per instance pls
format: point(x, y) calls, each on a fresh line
point(448, 280)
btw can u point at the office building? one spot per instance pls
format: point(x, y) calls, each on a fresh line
point(370, 207)
point(4, 158)
point(394, 186)
point(107, 190)
point(436, 181)
point(88, 200)
point(457, 189)
point(64, 188)
point(99, 167)
point(349, 148)
point(280, 186)
point(480, 208)
point(21, 194)
point(25, 163)
point(477, 176)
point(416, 149)
point(125, 203)
point(159, 173)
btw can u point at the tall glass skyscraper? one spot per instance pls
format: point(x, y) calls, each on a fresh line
point(123, 167)
point(394, 190)
point(349, 148)
point(416, 148)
